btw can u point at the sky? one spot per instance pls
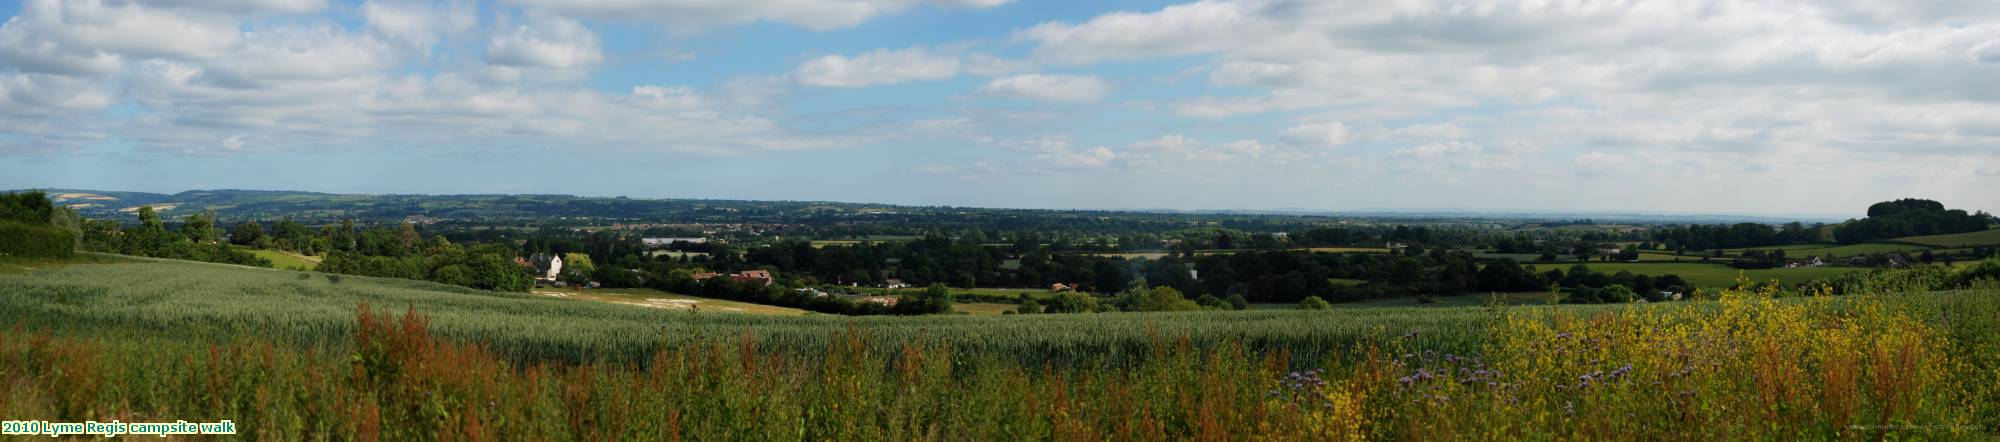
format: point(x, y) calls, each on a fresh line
point(1687, 106)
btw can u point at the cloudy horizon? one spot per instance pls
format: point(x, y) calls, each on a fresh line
point(1770, 107)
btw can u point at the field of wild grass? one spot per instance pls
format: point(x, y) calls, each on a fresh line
point(423, 365)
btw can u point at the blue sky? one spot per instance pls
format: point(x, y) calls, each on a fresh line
point(1672, 106)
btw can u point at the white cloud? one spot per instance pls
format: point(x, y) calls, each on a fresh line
point(1050, 88)
point(92, 37)
point(546, 42)
point(416, 23)
point(1204, 26)
point(811, 14)
point(878, 67)
point(1331, 133)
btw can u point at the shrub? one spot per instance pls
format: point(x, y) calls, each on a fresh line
point(24, 240)
point(1314, 303)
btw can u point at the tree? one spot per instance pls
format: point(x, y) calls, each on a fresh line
point(1314, 303)
point(199, 228)
point(247, 233)
point(933, 300)
point(1237, 302)
point(1164, 299)
point(1210, 301)
point(1071, 302)
point(1028, 305)
point(66, 219)
point(577, 268)
point(31, 207)
point(407, 236)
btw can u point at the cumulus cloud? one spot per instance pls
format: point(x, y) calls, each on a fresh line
point(1331, 133)
point(1050, 88)
point(415, 23)
point(1796, 80)
point(878, 67)
point(811, 14)
point(546, 42)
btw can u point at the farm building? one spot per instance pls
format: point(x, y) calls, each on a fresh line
point(894, 284)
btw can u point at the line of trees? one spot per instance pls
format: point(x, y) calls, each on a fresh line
point(196, 239)
point(32, 227)
point(1910, 217)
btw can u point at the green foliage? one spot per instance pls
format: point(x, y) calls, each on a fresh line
point(1028, 305)
point(1164, 299)
point(1314, 303)
point(67, 220)
point(1210, 301)
point(1909, 217)
point(1071, 302)
point(577, 268)
point(30, 207)
point(200, 228)
point(935, 299)
point(1237, 302)
point(35, 241)
point(247, 233)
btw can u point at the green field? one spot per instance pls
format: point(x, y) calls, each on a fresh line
point(189, 300)
point(1712, 275)
point(285, 260)
point(1852, 250)
point(289, 356)
point(1787, 248)
point(1982, 238)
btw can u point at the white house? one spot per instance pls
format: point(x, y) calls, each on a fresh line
point(546, 266)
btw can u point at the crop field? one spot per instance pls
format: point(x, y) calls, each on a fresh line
point(211, 301)
point(1982, 238)
point(1712, 275)
point(164, 338)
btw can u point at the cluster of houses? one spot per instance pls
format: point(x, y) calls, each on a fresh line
point(663, 242)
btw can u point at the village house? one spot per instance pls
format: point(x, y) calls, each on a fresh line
point(1060, 287)
point(894, 284)
point(547, 266)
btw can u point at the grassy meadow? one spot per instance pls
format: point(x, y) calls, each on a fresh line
point(295, 355)
point(1958, 240)
point(284, 259)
